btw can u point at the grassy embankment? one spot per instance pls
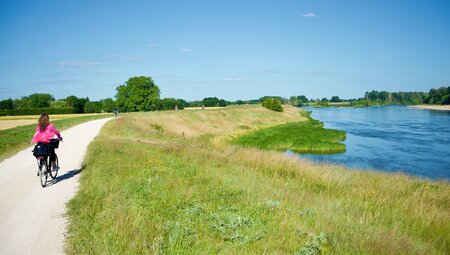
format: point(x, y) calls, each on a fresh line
point(14, 139)
point(167, 182)
point(302, 137)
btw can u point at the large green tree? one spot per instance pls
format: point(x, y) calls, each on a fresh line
point(138, 94)
point(39, 100)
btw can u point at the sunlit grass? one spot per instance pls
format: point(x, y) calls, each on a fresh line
point(149, 189)
point(302, 137)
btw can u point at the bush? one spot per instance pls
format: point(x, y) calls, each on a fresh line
point(273, 104)
point(36, 111)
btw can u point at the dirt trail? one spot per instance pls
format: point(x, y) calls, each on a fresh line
point(31, 217)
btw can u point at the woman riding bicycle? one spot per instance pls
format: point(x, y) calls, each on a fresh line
point(45, 131)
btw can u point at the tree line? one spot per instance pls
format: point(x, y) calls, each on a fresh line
point(40, 102)
point(142, 94)
point(437, 96)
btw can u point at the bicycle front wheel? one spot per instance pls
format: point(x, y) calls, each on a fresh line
point(43, 172)
point(54, 168)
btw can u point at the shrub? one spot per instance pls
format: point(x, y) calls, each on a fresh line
point(273, 104)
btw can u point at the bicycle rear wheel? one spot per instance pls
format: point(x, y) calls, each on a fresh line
point(54, 168)
point(43, 173)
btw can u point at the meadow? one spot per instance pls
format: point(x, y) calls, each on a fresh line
point(172, 183)
point(17, 138)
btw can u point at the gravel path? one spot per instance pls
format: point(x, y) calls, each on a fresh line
point(31, 217)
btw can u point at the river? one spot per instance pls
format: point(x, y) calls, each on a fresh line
point(390, 138)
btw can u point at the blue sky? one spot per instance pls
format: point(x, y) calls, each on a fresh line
point(230, 49)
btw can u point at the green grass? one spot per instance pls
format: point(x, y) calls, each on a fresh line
point(302, 137)
point(15, 139)
point(148, 189)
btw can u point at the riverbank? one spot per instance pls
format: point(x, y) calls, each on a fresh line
point(431, 107)
point(169, 182)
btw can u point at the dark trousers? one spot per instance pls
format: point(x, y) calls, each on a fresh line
point(54, 143)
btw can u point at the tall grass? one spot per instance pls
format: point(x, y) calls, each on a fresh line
point(14, 139)
point(149, 189)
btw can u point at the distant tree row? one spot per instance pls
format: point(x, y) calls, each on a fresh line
point(434, 96)
point(210, 102)
point(142, 94)
point(70, 104)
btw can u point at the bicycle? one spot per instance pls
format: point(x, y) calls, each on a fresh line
point(46, 168)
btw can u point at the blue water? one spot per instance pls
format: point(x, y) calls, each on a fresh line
point(391, 138)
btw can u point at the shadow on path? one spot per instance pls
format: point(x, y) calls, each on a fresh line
point(65, 176)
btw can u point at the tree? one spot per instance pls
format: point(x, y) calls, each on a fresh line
point(58, 104)
point(182, 104)
point(302, 99)
point(21, 103)
point(89, 107)
point(273, 104)
point(39, 100)
point(168, 104)
point(107, 105)
point(76, 103)
point(335, 99)
point(138, 94)
point(92, 107)
point(210, 101)
point(222, 103)
point(7, 104)
point(264, 98)
point(294, 101)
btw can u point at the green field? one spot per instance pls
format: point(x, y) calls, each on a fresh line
point(171, 183)
point(15, 139)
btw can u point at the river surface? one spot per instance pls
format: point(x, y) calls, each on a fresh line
point(390, 138)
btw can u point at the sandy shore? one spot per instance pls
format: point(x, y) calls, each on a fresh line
point(432, 107)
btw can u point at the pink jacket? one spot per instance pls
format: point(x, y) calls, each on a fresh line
point(46, 135)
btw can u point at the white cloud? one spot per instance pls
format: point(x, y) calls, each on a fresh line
point(235, 79)
point(185, 49)
point(310, 15)
point(79, 64)
point(153, 45)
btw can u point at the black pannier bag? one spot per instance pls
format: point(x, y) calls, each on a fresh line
point(40, 149)
point(54, 143)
